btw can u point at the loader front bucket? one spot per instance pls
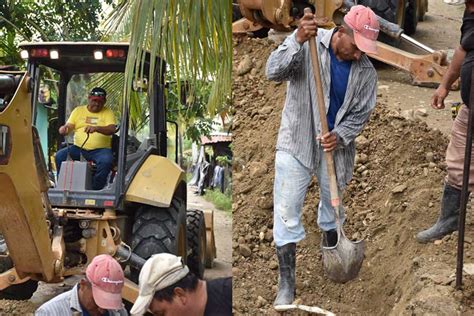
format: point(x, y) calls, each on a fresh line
point(23, 198)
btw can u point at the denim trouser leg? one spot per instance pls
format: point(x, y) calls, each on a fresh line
point(291, 183)
point(61, 156)
point(326, 218)
point(103, 159)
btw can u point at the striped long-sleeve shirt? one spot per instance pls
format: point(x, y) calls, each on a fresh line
point(300, 123)
point(67, 303)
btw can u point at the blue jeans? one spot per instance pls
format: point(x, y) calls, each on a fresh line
point(102, 157)
point(289, 190)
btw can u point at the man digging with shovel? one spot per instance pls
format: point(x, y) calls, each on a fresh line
point(349, 85)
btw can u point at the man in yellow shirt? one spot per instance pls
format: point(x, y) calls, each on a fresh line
point(97, 122)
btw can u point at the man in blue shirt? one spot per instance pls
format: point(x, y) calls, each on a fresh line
point(340, 69)
point(349, 85)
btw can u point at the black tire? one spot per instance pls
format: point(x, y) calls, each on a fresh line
point(387, 9)
point(411, 18)
point(23, 291)
point(157, 230)
point(196, 231)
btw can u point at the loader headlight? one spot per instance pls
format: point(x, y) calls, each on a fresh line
point(24, 54)
point(53, 54)
point(98, 54)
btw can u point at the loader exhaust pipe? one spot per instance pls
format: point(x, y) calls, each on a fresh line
point(124, 254)
point(396, 32)
point(393, 30)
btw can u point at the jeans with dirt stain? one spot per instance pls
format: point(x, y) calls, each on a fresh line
point(289, 190)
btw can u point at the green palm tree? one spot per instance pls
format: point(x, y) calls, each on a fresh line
point(194, 37)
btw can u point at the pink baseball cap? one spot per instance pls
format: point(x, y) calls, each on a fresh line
point(364, 23)
point(106, 276)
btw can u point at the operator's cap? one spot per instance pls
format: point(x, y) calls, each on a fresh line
point(159, 271)
point(107, 279)
point(98, 92)
point(365, 25)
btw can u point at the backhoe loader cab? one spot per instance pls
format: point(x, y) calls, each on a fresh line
point(63, 222)
point(69, 71)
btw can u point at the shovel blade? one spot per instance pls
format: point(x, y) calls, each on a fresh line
point(343, 262)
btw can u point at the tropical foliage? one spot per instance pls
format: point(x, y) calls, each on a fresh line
point(46, 20)
point(193, 37)
point(195, 40)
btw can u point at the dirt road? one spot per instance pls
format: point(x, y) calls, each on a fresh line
point(395, 193)
point(223, 232)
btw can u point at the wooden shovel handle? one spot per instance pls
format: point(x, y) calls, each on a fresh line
point(324, 122)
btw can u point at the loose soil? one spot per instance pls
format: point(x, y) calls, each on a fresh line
point(395, 193)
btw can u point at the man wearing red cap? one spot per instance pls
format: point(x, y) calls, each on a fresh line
point(93, 125)
point(349, 83)
point(99, 293)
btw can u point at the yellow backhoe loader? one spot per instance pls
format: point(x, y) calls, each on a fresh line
point(398, 19)
point(52, 225)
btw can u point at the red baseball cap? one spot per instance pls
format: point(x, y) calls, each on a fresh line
point(364, 23)
point(97, 94)
point(106, 276)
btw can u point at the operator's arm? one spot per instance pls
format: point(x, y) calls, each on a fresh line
point(356, 118)
point(287, 59)
point(106, 130)
point(66, 128)
point(453, 72)
point(70, 125)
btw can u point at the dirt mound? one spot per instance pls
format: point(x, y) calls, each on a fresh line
point(8, 307)
point(395, 192)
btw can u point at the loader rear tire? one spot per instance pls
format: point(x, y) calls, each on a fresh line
point(196, 242)
point(386, 9)
point(23, 291)
point(411, 18)
point(157, 230)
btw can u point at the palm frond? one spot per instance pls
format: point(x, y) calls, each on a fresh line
point(117, 26)
point(194, 39)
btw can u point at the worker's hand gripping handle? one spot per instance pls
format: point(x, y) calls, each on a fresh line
point(324, 123)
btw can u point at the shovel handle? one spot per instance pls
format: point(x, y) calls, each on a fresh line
point(324, 122)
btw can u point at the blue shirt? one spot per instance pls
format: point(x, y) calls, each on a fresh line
point(339, 77)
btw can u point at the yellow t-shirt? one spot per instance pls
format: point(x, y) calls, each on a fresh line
point(81, 117)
